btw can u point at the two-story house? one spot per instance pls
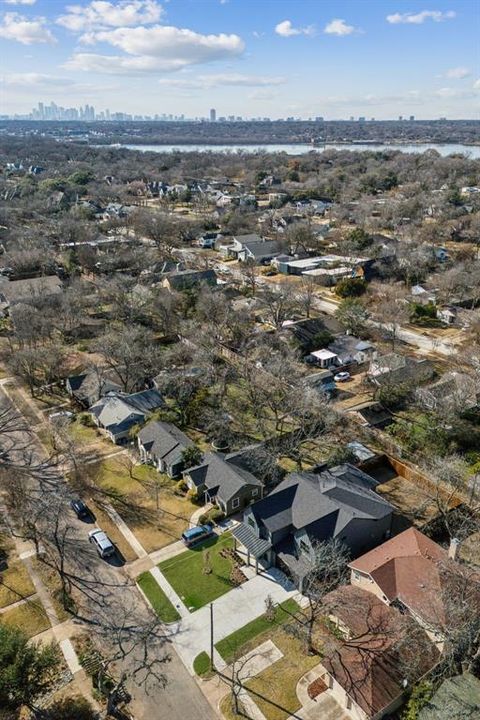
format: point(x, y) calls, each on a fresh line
point(414, 574)
point(306, 509)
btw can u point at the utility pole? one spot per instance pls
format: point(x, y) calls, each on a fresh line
point(211, 636)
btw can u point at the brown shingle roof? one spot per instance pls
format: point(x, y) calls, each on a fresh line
point(372, 663)
point(414, 570)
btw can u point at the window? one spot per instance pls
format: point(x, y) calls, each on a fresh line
point(254, 492)
point(251, 521)
point(235, 503)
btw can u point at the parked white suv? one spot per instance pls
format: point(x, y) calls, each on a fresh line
point(102, 542)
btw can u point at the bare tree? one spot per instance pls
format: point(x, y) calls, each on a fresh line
point(328, 570)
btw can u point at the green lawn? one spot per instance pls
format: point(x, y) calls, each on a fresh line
point(185, 573)
point(230, 647)
point(158, 600)
point(202, 666)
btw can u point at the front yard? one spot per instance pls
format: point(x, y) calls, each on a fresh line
point(277, 684)
point(186, 572)
point(15, 583)
point(146, 500)
point(259, 630)
point(157, 598)
point(30, 617)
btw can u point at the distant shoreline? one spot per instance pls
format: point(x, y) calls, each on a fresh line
point(253, 143)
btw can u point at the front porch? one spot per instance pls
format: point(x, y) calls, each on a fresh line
point(255, 551)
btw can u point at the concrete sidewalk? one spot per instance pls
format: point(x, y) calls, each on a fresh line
point(175, 599)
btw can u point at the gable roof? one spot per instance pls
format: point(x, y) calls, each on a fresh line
point(262, 248)
point(16, 291)
point(339, 495)
point(414, 570)
point(116, 412)
point(91, 386)
point(222, 475)
point(371, 664)
point(249, 238)
point(182, 279)
point(164, 441)
point(458, 697)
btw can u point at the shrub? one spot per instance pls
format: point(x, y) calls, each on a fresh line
point(211, 516)
point(350, 287)
point(420, 696)
point(181, 487)
point(86, 420)
point(192, 494)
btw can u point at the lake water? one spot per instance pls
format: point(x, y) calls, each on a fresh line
point(472, 151)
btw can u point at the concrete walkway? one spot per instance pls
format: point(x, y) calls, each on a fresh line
point(305, 682)
point(17, 603)
point(198, 513)
point(324, 706)
point(170, 593)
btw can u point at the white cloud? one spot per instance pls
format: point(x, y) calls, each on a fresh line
point(19, 2)
point(476, 84)
point(154, 49)
point(25, 31)
point(339, 27)
point(121, 64)
point(102, 14)
point(30, 80)
point(419, 18)
point(286, 29)
point(457, 73)
point(226, 79)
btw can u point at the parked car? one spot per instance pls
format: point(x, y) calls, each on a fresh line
point(80, 509)
point(61, 414)
point(342, 376)
point(102, 542)
point(197, 534)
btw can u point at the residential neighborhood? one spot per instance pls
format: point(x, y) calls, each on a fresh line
point(240, 433)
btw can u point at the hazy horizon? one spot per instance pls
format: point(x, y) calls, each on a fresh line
point(244, 58)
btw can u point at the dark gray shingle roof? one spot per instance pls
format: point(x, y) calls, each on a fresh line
point(340, 494)
point(164, 441)
point(217, 472)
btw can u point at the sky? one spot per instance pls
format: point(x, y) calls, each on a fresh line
point(249, 58)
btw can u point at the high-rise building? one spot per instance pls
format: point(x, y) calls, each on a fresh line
point(411, 118)
point(400, 117)
point(213, 115)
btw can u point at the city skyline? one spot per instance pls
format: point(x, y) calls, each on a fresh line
point(50, 111)
point(254, 59)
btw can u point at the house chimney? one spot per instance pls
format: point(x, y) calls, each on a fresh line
point(453, 549)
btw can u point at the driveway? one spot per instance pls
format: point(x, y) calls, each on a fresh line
point(230, 612)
